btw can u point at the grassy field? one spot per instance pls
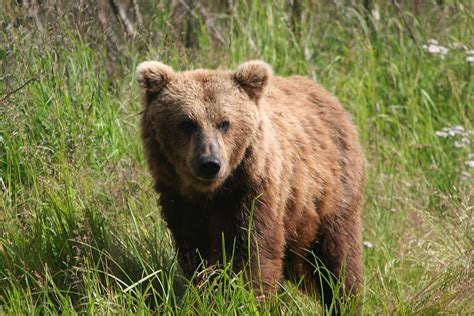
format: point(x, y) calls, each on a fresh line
point(80, 230)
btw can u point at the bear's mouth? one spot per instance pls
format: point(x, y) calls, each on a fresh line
point(206, 180)
point(207, 183)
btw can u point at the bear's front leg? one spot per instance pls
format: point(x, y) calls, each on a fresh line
point(267, 243)
point(267, 273)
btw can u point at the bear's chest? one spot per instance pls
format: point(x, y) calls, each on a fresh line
point(207, 226)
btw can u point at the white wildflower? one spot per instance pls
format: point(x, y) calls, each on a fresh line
point(376, 15)
point(470, 59)
point(434, 49)
point(452, 131)
point(458, 129)
point(469, 163)
point(368, 244)
point(438, 50)
point(441, 134)
point(463, 143)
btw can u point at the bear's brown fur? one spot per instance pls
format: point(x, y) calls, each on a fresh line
point(283, 145)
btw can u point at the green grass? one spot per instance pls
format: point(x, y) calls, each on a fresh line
point(80, 230)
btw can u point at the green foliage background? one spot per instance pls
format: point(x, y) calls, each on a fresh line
point(80, 230)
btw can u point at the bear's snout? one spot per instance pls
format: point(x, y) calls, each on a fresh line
point(208, 167)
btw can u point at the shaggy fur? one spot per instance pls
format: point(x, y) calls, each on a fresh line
point(289, 148)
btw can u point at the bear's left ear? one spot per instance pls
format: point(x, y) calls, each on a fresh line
point(253, 76)
point(152, 77)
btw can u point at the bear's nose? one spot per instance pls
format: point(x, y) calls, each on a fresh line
point(208, 167)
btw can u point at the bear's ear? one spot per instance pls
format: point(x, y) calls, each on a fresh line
point(253, 76)
point(152, 77)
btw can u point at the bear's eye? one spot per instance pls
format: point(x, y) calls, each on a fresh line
point(223, 126)
point(188, 126)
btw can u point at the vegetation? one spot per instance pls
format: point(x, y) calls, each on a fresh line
point(80, 230)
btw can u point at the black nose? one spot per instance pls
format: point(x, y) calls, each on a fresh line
point(208, 167)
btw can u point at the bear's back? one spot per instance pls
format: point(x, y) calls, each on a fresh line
point(318, 136)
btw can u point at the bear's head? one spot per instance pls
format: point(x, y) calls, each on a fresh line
point(204, 120)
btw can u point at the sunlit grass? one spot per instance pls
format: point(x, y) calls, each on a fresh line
point(80, 230)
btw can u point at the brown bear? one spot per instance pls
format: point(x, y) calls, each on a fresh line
point(265, 167)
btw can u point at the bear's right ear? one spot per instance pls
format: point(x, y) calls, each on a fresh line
point(152, 77)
